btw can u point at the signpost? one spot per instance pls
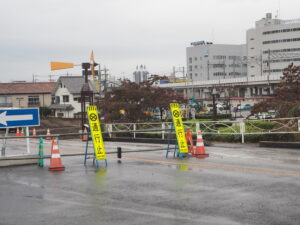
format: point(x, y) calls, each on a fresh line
point(19, 118)
point(96, 133)
point(180, 134)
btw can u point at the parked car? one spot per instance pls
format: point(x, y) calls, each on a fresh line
point(263, 115)
point(245, 107)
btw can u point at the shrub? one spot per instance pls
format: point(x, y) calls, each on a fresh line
point(266, 125)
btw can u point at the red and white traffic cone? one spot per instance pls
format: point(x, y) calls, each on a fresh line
point(200, 151)
point(85, 135)
point(55, 160)
point(34, 132)
point(48, 134)
point(22, 132)
point(18, 132)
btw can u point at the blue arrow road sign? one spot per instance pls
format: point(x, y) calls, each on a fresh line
point(19, 117)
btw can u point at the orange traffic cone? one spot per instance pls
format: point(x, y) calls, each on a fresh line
point(34, 132)
point(85, 135)
point(22, 132)
point(18, 132)
point(55, 160)
point(200, 151)
point(48, 134)
point(189, 138)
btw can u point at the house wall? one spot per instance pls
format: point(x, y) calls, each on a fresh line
point(60, 92)
point(21, 101)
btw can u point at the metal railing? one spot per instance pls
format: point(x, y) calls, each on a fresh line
point(242, 128)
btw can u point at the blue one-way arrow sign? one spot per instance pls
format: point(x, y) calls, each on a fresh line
point(19, 117)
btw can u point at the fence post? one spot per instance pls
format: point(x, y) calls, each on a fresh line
point(298, 125)
point(134, 129)
point(242, 131)
point(197, 127)
point(163, 127)
point(109, 129)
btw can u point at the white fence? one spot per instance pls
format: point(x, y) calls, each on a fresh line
point(242, 128)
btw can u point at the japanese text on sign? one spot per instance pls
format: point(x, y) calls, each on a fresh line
point(183, 148)
point(96, 133)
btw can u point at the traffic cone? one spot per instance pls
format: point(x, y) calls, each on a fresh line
point(55, 160)
point(85, 135)
point(34, 132)
point(41, 153)
point(200, 151)
point(48, 134)
point(18, 132)
point(189, 138)
point(22, 132)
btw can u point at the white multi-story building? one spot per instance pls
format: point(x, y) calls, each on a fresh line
point(208, 61)
point(141, 74)
point(272, 45)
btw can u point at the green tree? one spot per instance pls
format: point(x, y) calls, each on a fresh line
point(286, 101)
point(132, 102)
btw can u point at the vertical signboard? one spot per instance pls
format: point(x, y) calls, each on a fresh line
point(183, 148)
point(96, 133)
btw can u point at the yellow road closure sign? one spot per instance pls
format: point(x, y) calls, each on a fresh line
point(96, 133)
point(180, 134)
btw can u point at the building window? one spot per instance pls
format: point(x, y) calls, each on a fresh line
point(76, 99)
point(196, 67)
point(5, 101)
point(65, 98)
point(219, 74)
point(195, 58)
point(219, 57)
point(52, 99)
point(190, 68)
point(191, 76)
point(218, 65)
point(190, 60)
point(196, 74)
point(57, 99)
point(281, 40)
point(33, 101)
point(233, 57)
point(281, 31)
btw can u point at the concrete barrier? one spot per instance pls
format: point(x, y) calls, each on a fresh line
point(18, 160)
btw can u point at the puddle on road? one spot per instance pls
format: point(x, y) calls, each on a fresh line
point(100, 175)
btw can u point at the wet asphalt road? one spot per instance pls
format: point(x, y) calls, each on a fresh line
point(237, 184)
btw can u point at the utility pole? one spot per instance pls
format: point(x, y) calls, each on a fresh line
point(99, 80)
point(105, 80)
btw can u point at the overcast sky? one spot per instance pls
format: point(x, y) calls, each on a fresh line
point(122, 33)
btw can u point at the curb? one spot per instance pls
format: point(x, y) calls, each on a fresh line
point(277, 144)
point(18, 160)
